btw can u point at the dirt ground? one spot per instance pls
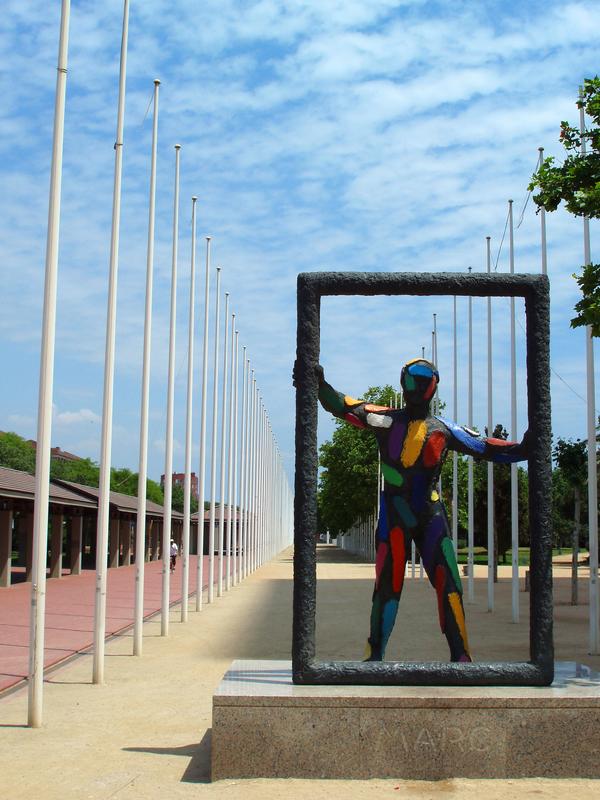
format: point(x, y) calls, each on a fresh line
point(146, 732)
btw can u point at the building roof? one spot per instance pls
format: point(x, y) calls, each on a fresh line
point(21, 485)
point(235, 515)
point(125, 503)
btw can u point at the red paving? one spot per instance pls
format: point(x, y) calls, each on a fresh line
point(70, 613)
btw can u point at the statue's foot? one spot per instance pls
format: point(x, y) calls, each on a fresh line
point(465, 659)
point(372, 653)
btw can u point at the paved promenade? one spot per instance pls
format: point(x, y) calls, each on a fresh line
point(146, 732)
point(70, 613)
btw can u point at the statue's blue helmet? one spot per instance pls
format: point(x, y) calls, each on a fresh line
point(419, 379)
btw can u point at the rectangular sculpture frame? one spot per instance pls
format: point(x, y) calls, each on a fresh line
point(539, 670)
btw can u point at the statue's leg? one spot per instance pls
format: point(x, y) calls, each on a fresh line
point(390, 564)
point(435, 546)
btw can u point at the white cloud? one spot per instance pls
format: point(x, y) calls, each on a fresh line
point(330, 135)
point(69, 418)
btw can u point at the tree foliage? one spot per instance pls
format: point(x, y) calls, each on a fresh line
point(576, 183)
point(348, 480)
point(18, 453)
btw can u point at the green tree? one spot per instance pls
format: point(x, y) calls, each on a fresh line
point(576, 183)
point(348, 480)
point(571, 458)
point(16, 453)
point(84, 471)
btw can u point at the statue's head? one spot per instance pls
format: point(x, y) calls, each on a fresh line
point(419, 379)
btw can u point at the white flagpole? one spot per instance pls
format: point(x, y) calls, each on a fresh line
point(471, 521)
point(455, 454)
point(202, 481)
point(222, 481)
point(243, 465)
point(213, 450)
point(594, 632)
point(109, 371)
point(514, 478)
point(253, 465)
point(490, 466)
point(230, 457)
point(44, 423)
point(140, 528)
point(235, 502)
point(543, 224)
point(187, 481)
point(168, 490)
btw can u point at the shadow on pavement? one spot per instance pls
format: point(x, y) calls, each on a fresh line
point(198, 769)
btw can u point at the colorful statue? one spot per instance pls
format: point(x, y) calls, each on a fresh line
point(413, 445)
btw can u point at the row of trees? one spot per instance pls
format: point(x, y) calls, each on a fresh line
point(348, 486)
point(576, 183)
point(18, 453)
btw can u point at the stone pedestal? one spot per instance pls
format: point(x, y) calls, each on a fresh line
point(265, 727)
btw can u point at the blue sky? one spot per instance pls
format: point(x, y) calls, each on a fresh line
point(317, 135)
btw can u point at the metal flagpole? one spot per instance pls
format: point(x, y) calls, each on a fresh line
point(543, 223)
point(242, 470)
point(436, 397)
point(252, 495)
point(594, 633)
point(44, 422)
point(514, 477)
point(455, 454)
point(168, 489)
point(470, 508)
point(245, 499)
point(235, 505)
point(230, 457)
point(109, 370)
point(222, 483)
point(140, 528)
point(213, 451)
point(187, 481)
point(491, 552)
point(202, 481)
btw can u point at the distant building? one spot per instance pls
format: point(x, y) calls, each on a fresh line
point(56, 452)
point(179, 478)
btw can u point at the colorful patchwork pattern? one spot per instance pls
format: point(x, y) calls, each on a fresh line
point(398, 558)
point(396, 440)
point(432, 452)
point(459, 616)
point(440, 587)
point(382, 526)
point(379, 420)
point(418, 497)
point(370, 407)
point(382, 552)
point(405, 511)
point(413, 443)
point(448, 551)
point(391, 475)
point(354, 420)
point(429, 547)
point(389, 617)
point(412, 447)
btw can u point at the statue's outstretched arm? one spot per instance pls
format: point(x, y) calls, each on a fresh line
point(470, 443)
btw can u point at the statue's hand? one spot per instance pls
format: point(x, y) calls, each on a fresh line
point(319, 371)
point(526, 442)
